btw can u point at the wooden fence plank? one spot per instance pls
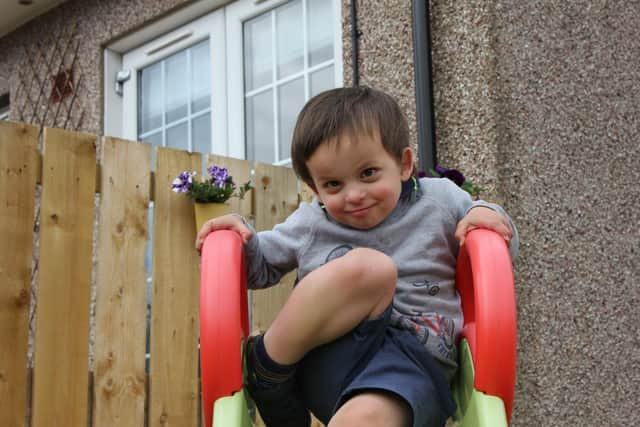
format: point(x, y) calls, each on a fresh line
point(19, 164)
point(119, 379)
point(241, 172)
point(276, 197)
point(173, 391)
point(60, 389)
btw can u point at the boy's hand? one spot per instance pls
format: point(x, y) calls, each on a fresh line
point(227, 222)
point(482, 217)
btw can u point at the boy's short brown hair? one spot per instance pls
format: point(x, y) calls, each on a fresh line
point(354, 110)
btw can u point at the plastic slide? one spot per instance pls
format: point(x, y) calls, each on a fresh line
point(486, 380)
point(483, 388)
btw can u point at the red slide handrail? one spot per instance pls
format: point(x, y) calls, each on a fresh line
point(484, 279)
point(223, 317)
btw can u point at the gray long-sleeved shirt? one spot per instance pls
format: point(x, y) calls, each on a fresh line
point(418, 235)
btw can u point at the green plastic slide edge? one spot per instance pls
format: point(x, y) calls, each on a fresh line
point(475, 409)
point(231, 411)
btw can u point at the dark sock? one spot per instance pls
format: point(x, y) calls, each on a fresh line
point(269, 372)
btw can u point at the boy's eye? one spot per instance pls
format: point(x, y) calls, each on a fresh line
point(368, 173)
point(332, 184)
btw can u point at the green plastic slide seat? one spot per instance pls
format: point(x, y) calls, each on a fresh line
point(231, 411)
point(475, 409)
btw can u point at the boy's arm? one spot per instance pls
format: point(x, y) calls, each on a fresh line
point(269, 254)
point(493, 217)
point(483, 214)
point(232, 222)
point(471, 214)
point(272, 254)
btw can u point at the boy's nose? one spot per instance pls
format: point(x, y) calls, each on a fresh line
point(355, 194)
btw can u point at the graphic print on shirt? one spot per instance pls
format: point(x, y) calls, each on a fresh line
point(433, 330)
point(432, 288)
point(337, 252)
point(443, 328)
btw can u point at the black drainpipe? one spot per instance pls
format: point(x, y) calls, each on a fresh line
point(355, 34)
point(424, 85)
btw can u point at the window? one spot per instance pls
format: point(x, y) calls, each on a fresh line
point(4, 107)
point(230, 82)
point(174, 100)
point(288, 56)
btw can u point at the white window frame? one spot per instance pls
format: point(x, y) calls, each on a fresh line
point(237, 14)
point(210, 26)
point(221, 21)
point(165, 29)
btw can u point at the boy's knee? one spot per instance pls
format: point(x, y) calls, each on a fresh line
point(371, 270)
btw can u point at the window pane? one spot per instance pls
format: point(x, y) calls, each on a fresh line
point(154, 139)
point(322, 80)
point(290, 102)
point(201, 133)
point(260, 127)
point(290, 41)
point(176, 86)
point(150, 98)
point(178, 136)
point(200, 77)
point(320, 31)
point(257, 52)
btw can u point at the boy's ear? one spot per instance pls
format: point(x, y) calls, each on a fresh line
point(406, 164)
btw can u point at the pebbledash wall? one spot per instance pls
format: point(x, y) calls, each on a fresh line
point(539, 102)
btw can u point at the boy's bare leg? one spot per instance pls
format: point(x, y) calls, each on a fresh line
point(372, 409)
point(331, 301)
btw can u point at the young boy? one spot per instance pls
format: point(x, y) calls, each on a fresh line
point(368, 335)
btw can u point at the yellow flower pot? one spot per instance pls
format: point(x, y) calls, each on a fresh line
point(206, 211)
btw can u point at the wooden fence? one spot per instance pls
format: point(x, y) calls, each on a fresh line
point(74, 257)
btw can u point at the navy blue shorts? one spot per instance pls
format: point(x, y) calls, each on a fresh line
point(375, 356)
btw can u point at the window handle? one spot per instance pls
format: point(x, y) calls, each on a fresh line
point(121, 77)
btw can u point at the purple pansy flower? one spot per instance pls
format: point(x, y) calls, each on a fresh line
point(218, 187)
point(440, 169)
point(453, 174)
point(183, 182)
point(218, 175)
point(456, 176)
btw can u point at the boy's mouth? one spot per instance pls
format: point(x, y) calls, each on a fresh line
point(359, 212)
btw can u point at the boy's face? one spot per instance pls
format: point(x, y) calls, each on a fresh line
point(358, 181)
